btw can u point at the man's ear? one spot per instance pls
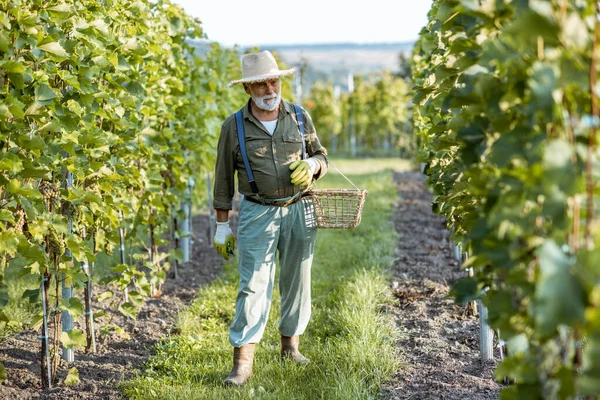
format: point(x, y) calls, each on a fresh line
point(247, 88)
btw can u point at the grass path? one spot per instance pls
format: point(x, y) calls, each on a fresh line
point(349, 341)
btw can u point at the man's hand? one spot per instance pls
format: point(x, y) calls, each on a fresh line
point(224, 241)
point(303, 171)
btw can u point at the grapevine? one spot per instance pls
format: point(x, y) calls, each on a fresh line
point(111, 92)
point(505, 110)
point(376, 111)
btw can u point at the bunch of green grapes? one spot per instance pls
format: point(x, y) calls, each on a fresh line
point(55, 243)
point(169, 178)
point(20, 222)
point(71, 211)
point(50, 192)
point(92, 184)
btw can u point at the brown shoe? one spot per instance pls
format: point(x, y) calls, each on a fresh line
point(243, 358)
point(289, 349)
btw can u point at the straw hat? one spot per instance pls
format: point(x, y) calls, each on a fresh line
point(259, 67)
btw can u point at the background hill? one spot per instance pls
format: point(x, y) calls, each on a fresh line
point(333, 62)
point(349, 57)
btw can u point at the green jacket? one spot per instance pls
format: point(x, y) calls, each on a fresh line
point(270, 156)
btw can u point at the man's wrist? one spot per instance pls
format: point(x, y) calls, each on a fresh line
point(222, 215)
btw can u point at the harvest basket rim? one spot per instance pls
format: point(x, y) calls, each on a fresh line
point(338, 208)
point(336, 190)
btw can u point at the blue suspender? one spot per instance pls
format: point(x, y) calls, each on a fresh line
point(239, 123)
point(300, 120)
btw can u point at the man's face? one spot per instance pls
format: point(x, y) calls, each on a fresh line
point(266, 95)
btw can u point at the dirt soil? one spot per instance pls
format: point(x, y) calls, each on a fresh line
point(438, 345)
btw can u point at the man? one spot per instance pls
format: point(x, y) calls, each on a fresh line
point(272, 217)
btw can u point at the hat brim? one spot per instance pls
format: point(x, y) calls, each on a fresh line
point(263, 77)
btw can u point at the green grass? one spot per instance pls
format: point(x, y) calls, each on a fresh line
point(19, 311)
point(349, 341)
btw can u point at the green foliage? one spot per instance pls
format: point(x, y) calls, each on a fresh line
point(72, 378)
point(72, 338)
point(504, 109)
point(325, 112)
point(376, 113)
point(106, 113)
point(3, 374)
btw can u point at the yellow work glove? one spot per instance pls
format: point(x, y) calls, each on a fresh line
point(224, 241)
point(303, 171)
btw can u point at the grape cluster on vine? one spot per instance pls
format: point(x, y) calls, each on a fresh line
point(55, 243)
point(50, 193)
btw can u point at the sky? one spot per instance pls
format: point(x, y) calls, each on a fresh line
point(260, 22)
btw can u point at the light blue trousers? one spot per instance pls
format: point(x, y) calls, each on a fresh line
point(265, 232)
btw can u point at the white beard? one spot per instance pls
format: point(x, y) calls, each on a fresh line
point(268, 103)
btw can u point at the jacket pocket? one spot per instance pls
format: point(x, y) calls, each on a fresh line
point(292, 142)
point(255, 149)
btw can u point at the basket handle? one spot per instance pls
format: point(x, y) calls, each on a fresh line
point(340, 172)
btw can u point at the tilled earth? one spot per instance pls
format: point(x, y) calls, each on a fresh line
point(438, 344)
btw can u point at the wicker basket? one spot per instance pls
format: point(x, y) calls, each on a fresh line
point(338, 208)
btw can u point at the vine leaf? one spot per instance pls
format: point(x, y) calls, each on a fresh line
point(5, 112)
point(519, 369)
point(3, 374)
point(73, 338)
point(136, 298)
point(559, 294)
point(61, 8)
point(10, 162)
point(129, 310)
point(7, 216)
point(105, 295)
point(55, 50)
point(72, 378)
point(465, 290)
point(3, 320)
point(4, 297)
point(43, 94)
point(518, 344)
point(73, 306)
point(32, 294)
point(31, 252)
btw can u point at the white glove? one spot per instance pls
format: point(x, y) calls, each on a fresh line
point(313, 164)
point(224, 241)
